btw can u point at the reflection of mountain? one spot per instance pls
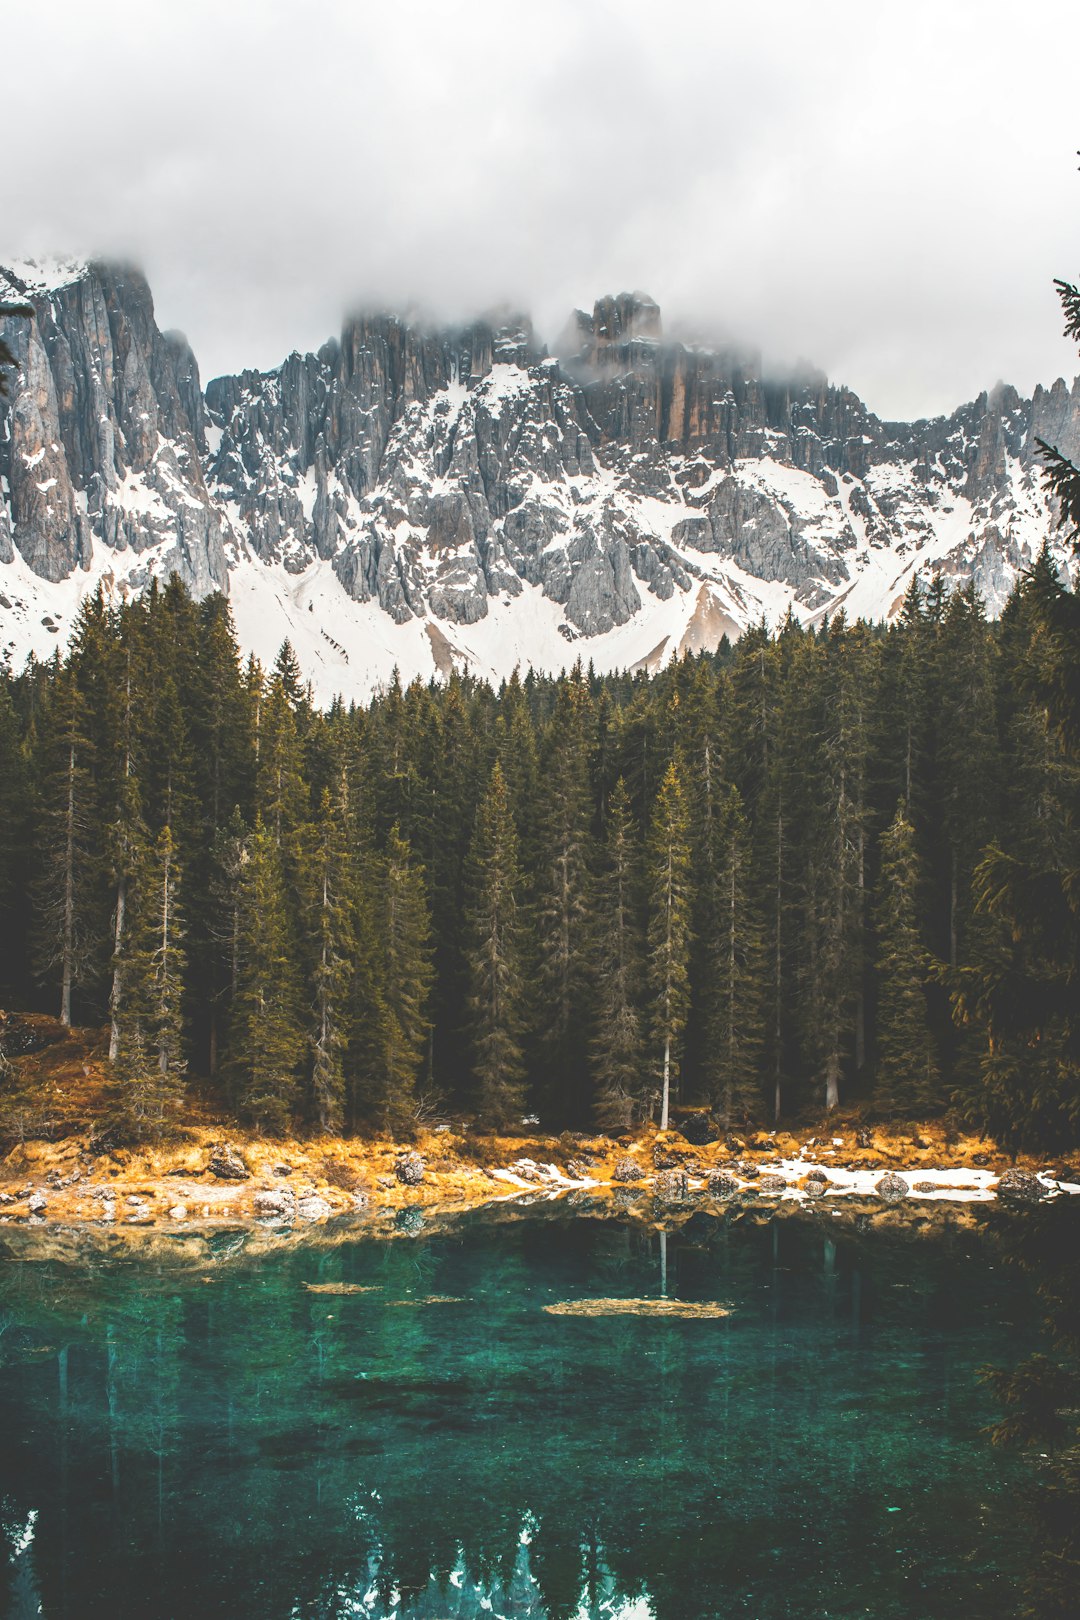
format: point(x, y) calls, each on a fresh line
point(222, 1441)
point(432, 499)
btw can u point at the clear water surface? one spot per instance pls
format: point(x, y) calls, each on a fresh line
point(219, 1439)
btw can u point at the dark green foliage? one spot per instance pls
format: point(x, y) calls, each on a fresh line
point(148, 1057)
point(618, 1049)
point(546, 896)
point(907, 1079)
point(669, 932)
point(497, 988)
point(267, 1035)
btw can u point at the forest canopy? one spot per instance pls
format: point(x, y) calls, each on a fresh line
point(835, 864)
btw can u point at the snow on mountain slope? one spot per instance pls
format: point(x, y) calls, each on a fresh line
point(420, 500)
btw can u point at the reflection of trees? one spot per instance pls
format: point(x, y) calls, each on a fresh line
point(247, 1447)
point(1040, 1401)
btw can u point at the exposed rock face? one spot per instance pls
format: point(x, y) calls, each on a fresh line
point(440, 476)
point(105, 437)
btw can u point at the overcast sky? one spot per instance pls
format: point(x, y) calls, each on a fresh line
point(887, 190)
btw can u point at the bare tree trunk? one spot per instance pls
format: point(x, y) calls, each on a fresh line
point(114, 993)
point(664, 1106)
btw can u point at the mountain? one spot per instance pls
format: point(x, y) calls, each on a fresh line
point(424, 499)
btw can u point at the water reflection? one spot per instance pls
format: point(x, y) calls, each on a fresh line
point(427, 1441)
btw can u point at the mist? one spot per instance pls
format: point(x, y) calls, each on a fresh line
point(886, 193)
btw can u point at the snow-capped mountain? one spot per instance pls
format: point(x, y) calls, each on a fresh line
point(426, 499)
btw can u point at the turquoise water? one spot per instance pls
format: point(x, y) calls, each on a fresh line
point(217, 1439)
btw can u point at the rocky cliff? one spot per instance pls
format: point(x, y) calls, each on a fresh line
point(426, 498)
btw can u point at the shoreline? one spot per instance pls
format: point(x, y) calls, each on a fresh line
point(209, 1180)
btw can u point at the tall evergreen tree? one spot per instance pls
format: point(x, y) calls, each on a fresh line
point(396, 1041)
point(907, 1079)
point(147, 1012)
point(267, 1035)
point(734, 1022)
point(618, 1047)
point(497, 991)
point(68, 921)
point(329, 881)
point(669, 929)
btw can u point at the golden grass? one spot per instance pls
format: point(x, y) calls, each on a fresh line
point(637, 1307)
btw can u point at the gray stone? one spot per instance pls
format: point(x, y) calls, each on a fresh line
point(275, 1203)
point(226, 1163)
point(311, 1207)
point(771, 1184)
point(627, 1170)
point(892, 1187)
point(1021, 1187)
point(409, 1169)
point(671, 1186)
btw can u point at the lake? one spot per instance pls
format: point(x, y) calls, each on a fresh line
point(375, 1425)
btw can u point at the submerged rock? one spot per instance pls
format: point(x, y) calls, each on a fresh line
point(410, 1169)
point(892, 1187)
point(722, 1185)
point(1020, 1186)
point(226, 1163)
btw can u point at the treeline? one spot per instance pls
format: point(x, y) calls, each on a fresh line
point(825, 866)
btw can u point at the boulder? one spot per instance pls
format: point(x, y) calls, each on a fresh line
point(771, 1184)
point(672, 1186)
point(311, 1207)
point(226, 1164)
point(275, 1203)
point(36, 1203)
point(627, 1170)
point(409, 1169)
point(666, 1157)
point(699, 1130)
point(892, 1187)
point(178, 1212)
point(816, 1183)
point(748, 1169)
point(864, 1137)
point(722, 1185)
point(1021, 1187)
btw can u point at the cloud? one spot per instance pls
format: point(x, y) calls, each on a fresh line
point(887, 191)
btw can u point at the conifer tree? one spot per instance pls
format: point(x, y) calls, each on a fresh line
point(669, 929)
point(397, 1041)
point(618, 1048)
point(562, 905)
point(68, 921)
point(907, 1081)
point(329, 881)
point(496, 993)
point(147, 1011)
point(734, 1024)
point(267, 1037)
